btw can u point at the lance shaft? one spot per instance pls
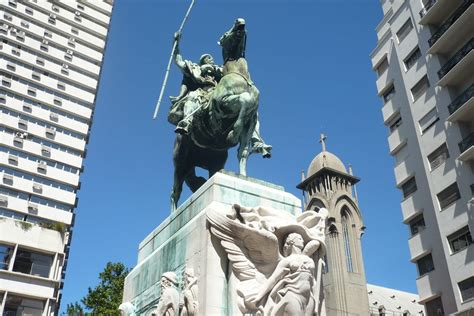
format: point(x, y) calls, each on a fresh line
point(175, 43)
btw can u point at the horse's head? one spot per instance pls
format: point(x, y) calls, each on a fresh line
point(233, 41)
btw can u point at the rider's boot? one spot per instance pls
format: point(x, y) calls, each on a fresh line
point(183, 127)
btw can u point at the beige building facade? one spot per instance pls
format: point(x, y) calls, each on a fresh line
point(51, 53)
point(424, 62)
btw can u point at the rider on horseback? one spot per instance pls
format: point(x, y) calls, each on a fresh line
point(198, 82)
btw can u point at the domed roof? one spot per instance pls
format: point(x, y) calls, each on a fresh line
point(325, 159)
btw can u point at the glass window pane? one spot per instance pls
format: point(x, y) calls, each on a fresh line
point(33, 263)
point(5, 256)
point(19, 306)
point(466, 288)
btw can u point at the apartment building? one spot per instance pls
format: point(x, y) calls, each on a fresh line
point(51, 53)
point(424, 62)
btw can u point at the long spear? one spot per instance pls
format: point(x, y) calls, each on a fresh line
point(165, 80)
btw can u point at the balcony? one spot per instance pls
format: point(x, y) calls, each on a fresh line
point(466, 147)
point(462, 108)
point(436, 11)
point(449, 21)
point(459, 68)
point(426, 8)
point(389, 110)
point(455, 36)
point(396, 142)
point(402, 173)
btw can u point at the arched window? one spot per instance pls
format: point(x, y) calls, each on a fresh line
point(346, 234)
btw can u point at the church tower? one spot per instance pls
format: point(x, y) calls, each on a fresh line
point(329, 185)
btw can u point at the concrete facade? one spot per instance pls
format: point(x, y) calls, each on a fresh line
point(425, 64)
point(51, 55)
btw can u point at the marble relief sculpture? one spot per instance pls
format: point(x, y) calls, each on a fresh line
point(127, 309)
point(276, 257)
point(168, 304)
point(190, 304)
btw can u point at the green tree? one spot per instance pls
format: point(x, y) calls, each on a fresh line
point(106, 297)
point(75, 310)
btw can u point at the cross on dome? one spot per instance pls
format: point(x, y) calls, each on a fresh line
point(322, 140)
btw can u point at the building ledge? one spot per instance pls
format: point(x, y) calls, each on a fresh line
point(464, 113)
point(460, 72)
point(467, 155)
point(439, 11)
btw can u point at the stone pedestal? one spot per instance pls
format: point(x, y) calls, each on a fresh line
point(183, 241)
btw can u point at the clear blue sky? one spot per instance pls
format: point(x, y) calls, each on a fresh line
point(310, 60)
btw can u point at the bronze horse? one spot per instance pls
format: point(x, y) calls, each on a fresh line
point(230, 118)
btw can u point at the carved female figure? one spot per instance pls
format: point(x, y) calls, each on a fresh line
point(276, 257)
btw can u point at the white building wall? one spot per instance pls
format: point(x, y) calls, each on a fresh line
point(411, 146)
point(50, 60)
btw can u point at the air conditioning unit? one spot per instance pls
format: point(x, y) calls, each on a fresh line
point(70, 52)
point(38, 188)
point(50, 131)
point(45, 151)
point(3, 200)
point(32, 207)
point(12, 159)
point(45, 41)
point(65, 66)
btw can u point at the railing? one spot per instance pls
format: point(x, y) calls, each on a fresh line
point(460, 100)
point(426, 7)
point(449, 21)
point(456, 58)
point(466, 143)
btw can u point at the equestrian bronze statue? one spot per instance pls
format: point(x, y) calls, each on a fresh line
point(216, 109)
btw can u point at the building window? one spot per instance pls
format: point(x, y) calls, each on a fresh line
point(438, 156)
point(32, 263)
point(460, 239)
point(387, 95)
point(425, 265)
point(428, 120)
point(29, 11)
point(419, 88)
point(409, 187)
point(382, 67)
point(395, 123)
point(16, 305)
point(346, 234)
point(404, 30)
point(466, 288)
point(74, 31)
point(417, 224)
point(5, 256)
point(448, 196)
point(434, 307)
point(412, 58)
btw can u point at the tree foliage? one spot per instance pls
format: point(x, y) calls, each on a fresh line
point(106, 297)
point(75, 309)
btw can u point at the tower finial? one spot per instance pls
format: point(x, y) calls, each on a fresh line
point(322, 140)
